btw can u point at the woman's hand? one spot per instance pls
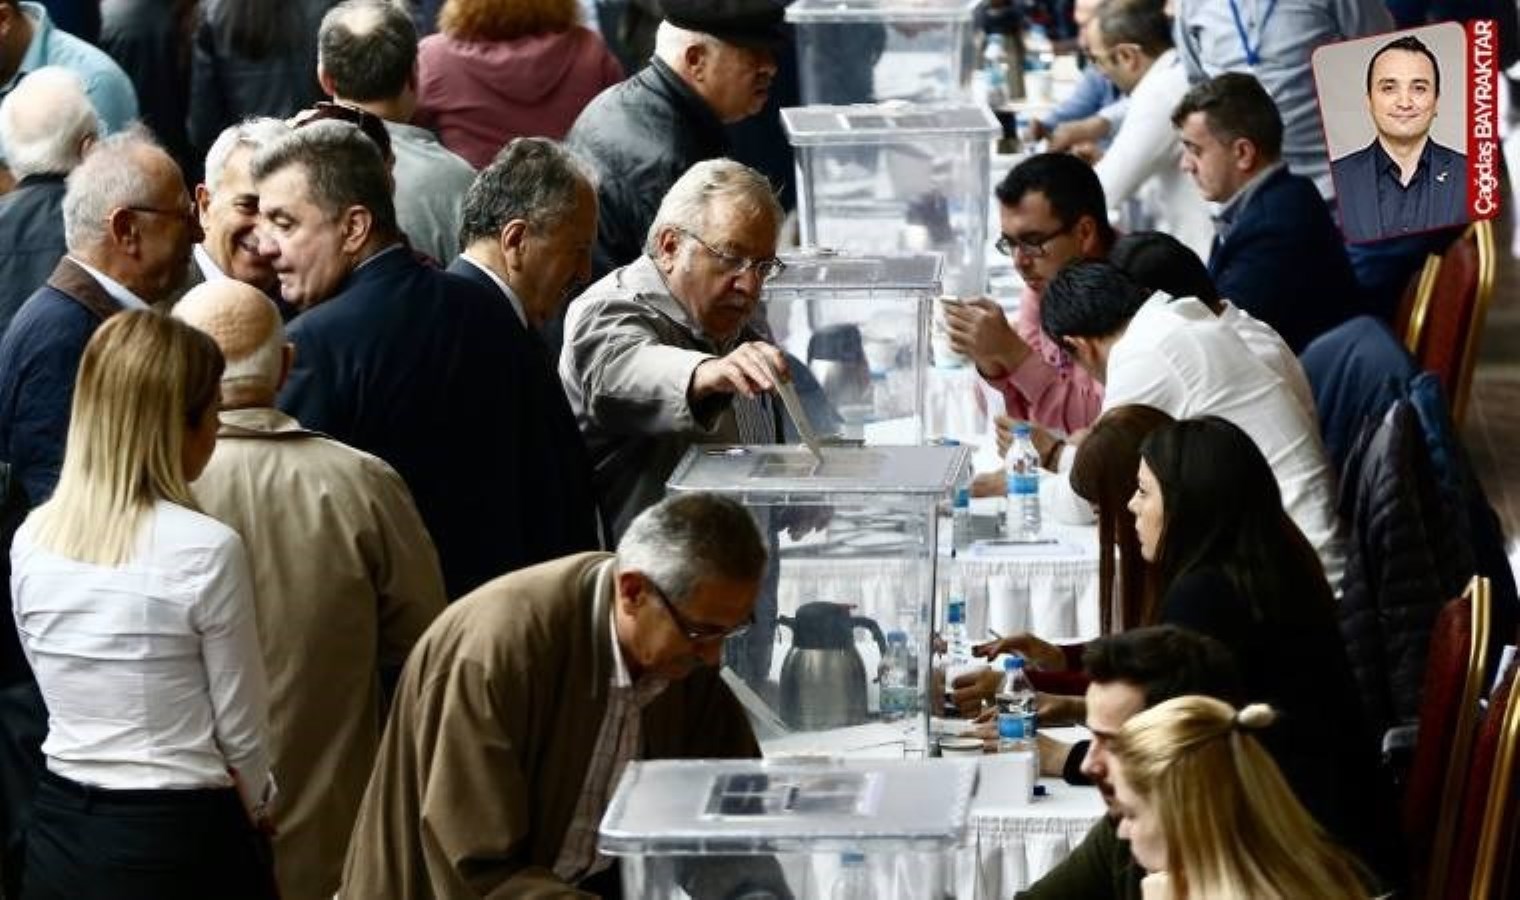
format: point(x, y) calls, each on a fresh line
point(1043, 654)
point(972, 692)
point(1059, 709)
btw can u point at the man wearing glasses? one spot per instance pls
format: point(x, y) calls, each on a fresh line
point(661, 354)
point(520, 707)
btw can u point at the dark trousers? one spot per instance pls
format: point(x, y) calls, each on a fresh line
point(93, 844)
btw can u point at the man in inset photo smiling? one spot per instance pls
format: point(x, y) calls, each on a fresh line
point(1403, 182)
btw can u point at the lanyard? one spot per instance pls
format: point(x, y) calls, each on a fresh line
point(1253, 54)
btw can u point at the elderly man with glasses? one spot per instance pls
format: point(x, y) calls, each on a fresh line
point(661, 354)
point(522, 704)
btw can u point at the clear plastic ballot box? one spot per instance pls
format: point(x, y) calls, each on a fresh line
point(869, 51)
point(836, 666)
point(861, 324)
point(720, 829)
point(896, 177)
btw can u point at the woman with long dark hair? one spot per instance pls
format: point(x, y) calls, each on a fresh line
point(136, 614)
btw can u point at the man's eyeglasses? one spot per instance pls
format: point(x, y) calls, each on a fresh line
point(1032, 247)
point(697, 634)
point(188, 213)
point(738, 265)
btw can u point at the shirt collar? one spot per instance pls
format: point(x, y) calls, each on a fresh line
point(209, 269)
point(647, 687)
point(1384, 164)
point(512, 297)
point(1232, 207)
point(379, 253)
point(116, 289)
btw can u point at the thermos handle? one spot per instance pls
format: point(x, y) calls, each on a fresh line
point(875, 629)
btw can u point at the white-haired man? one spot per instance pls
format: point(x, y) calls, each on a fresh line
point(346, 581)
point(228, 206)
point(713, 66)
point(522, 704)
point(660, 354)
point(48, 124)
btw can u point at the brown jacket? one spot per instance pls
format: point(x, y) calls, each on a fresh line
point(491, 736)
point(346, 582)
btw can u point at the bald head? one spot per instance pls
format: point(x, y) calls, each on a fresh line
point(246, 326)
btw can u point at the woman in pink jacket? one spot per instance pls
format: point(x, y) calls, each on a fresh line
point(500, 69)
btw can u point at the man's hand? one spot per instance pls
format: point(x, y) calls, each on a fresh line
point(1043, 440)
point(1088, 151)
point(751, 369)
point(1059, 709)
point(1045, 655)
point(1068, 135)
point(978, 329)
point(971, 692)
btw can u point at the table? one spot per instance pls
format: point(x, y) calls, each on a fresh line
point(1013, 846)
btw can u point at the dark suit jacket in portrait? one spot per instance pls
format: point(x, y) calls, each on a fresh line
point(557, 508)
point(1442, 177)
point(406, 362)
point(1282, 260)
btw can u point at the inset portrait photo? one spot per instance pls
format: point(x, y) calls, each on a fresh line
point(1394, 108)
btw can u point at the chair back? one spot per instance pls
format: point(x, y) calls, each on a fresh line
point(1448, 720)
point(1486, 821)
point(1449, 309)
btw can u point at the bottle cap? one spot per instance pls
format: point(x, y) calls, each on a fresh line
point(1022, 430)
point(1012, 662)
point(956, 613)
point(897, 637)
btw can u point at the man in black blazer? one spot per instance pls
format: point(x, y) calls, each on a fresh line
point(393, 357)
point(529, 224)
point(1277, 254)
point(1403, 182)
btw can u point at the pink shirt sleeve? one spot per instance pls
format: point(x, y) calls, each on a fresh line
point(1047, 388)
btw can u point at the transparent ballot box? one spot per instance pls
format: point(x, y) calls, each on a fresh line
point(720, 829)
point(837, 661)
point(869, 51)
point(897, 177)
point(861, 325)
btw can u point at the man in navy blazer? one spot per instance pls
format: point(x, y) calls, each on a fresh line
point(1277, 254)
point(393, 357)
point(529, 225)
point(1403, 182)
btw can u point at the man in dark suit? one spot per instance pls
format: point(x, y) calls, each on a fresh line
point(46, 124)
point(1403, 182)
point(1277, 254)
point(529, 223)
point(129, 227)
point(393, 357)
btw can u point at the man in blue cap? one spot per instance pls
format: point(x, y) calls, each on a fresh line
point(713, 64)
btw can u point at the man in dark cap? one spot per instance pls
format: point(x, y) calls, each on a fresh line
point(712, 66)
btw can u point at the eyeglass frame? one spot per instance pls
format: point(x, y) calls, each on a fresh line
point(1032, 249)
point(738, 265)
point(693, 633)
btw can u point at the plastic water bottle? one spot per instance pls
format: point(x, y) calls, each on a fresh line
point(995, 71)
point(957, 643)
point(854, 880)
point(1015, 705)
point(960, 519)
point(1039, 58)
point(1023, 486)
point(896, 688)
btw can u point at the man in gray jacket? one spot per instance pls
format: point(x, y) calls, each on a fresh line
point(661, 354)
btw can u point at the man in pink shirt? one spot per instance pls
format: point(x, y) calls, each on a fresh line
point(1051, 210)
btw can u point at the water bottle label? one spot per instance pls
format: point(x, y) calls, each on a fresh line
point(1011, 726)
point(1021, 485)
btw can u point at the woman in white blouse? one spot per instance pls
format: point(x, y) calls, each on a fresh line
point(136, 614)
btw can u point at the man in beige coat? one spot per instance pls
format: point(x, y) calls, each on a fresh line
point(346, 577)
point(522, 704)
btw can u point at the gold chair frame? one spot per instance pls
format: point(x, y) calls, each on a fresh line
point(1494, 873)
point(1482, 234)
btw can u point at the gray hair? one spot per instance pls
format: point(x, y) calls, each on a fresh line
point(687, 539)
point(533, 179)
point(112, 175)
point(690, 200)
point(253, 133)
point(45, 121)
point(671, 41)
point(343, 168)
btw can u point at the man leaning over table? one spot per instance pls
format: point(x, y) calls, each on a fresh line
point(1129, 672)
point(521, 706)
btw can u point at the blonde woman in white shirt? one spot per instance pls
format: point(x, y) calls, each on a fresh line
point(136, 614)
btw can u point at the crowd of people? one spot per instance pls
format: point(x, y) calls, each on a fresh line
point(347, 349)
